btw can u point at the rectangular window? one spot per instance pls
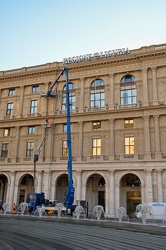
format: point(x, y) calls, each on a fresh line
point(9, 110)
point(128, 96)
point(11, 92)
point(35, 89)
point(128, 123)
point(33, 108)
point(96, 146)
point(6, 132)
point(97, 99)
point(31, 130)
point(64, 148)
point(65, 128)
point(96, 125)
point(29, 149)
point(129, 145)
point(4, 151)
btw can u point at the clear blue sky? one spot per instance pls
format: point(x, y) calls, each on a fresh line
point(41, 31)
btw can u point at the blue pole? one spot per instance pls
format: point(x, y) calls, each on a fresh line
point(70, 182)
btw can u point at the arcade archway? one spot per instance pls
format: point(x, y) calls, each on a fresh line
point(61, 187)
point(130, 193)
point(25, 187)
point(3, 188)
point(95, 192)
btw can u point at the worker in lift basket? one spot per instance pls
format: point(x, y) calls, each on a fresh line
point(14, 208)
point(47, 123)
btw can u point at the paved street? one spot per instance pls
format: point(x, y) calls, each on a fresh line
point(46, 234)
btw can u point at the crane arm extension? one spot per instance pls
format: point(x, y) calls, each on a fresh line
point(36, 155)
point(50, 89)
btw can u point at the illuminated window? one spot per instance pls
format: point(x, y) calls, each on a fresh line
point(64, 148)
point(9, 110)
point(11, 92)
point(129, 145)
point(6, 132)
point(96, 146)
point(4, 150)
point(97, 94)
point(31, 130)
point(33, 108)
point(29, 149)
point(72, 97)
point(96, 125)
point(128, 123)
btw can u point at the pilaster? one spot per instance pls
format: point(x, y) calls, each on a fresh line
point(157, 138)
point(145, 87)
point(149, 190)
point(12, 185)
point(111, 205)
point(79, 181)
point(155, 91)
point(147, 138)
point(160, 185)
point(112, 139)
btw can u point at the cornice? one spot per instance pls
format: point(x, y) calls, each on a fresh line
point(54, 68)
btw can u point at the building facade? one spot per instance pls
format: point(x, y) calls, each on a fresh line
point(118, 129)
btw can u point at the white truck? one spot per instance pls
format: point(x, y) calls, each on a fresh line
point(157, 211)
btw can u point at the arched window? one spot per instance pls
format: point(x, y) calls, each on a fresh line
point(72, 96)
point(128, 90)
point(97, 93)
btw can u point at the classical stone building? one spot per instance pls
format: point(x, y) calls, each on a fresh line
point(118, 124)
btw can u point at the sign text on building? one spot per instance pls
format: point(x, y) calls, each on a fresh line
point(97, 55)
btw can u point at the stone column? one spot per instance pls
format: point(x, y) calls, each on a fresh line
point(39, 183)
point(160, 185)
point(52, 186)
point(145, 87)
point(79, 185)
point(112, 140)
point(47, 183)
point(112, 92)
point(157, 138)
point(80, 139)
point(112, 193)
point(143, 198)
point(155, 92)
point(12, 185)
point(149, 190)
point(147, 138)
point(82, 95)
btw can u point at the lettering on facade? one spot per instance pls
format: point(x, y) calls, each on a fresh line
point(160, 47)
point(97, 55)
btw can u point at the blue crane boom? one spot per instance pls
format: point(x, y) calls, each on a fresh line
point(69, 196)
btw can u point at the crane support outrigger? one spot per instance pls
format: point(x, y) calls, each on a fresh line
point(69, 196)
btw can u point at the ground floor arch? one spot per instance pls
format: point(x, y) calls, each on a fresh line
point(3, 188)
point(130, 193)
point(95, 191)
point(61, 187)
point(25, 186)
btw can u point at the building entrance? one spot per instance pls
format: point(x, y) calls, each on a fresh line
point(133, 199)
point(130, 193)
